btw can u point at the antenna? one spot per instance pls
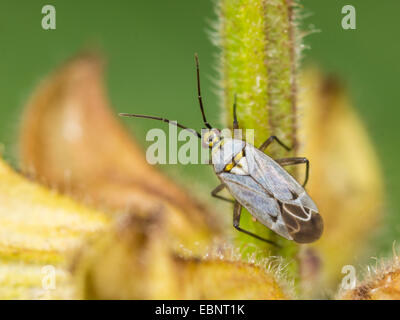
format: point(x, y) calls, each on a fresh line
point(199, 92)
point(161, 119)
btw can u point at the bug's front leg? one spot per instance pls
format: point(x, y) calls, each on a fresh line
point(219, 188)
point(293, 161)
point(237, 211)
point(270, 140)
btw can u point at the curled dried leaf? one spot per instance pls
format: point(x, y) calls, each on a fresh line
point(39, 228)
point(134, 262)
point(70, 139)
point(345, 178)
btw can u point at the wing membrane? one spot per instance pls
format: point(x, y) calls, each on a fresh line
point(257, 201)
point(275, 198)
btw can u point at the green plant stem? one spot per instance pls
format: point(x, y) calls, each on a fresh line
point(258, 65)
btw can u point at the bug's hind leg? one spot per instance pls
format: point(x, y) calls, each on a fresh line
point(296, 160)
point(270, 140)
point(237, 211)
point(219, 188)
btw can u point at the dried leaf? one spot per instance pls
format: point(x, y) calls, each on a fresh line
point(39, 228)
point(345, 178)
point(71, 139)
point(134, 262)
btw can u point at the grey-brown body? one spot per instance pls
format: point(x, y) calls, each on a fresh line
point(266, 190)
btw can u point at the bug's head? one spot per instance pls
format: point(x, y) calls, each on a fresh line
point(211, 137)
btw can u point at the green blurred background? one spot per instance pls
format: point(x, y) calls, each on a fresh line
point(149, 46)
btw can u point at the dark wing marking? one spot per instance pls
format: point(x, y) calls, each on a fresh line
point(303, 224)
point(299, 212)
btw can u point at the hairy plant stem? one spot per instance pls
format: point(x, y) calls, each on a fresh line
point(258, 55)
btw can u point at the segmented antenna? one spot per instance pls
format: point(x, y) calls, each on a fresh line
point(199, 92)
point(175, 123)
point(161, 119)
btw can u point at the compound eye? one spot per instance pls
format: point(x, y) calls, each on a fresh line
point(206, 140)
point(215, 133)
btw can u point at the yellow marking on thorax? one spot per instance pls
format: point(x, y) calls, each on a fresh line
point(238, 156)
point(235, 161)
point(218, 146)
point(229, 166)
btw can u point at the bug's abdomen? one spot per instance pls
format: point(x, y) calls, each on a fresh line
point(257, 201)
point(272, 195)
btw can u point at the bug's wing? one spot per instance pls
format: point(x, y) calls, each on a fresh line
point(271, 175)
point(303, 224)
point(224, 154)
point(254, 198)
point(298, 211)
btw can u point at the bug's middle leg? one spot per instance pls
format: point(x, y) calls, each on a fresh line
point(219, 188)
point(270, 140)
point(237, 211)
point(296, 160)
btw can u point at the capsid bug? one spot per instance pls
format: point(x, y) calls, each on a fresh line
point(258, 182)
